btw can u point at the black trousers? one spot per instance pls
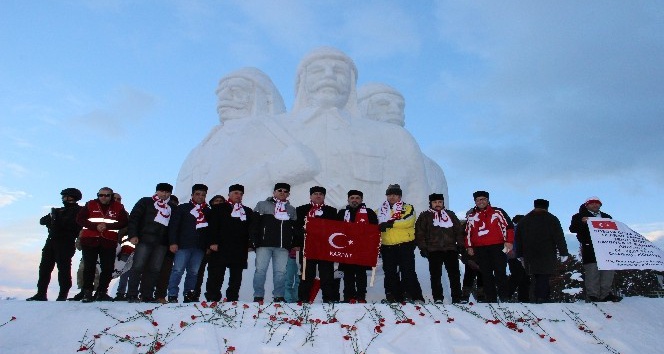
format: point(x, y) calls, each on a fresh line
point(542, 287)
point(451, 261)
point(60, 254)
point(519, 281)
point(399, 268)
point(493, 263)
point(164, 275)
point(355, 281)
point(326, 274)
point(215, 280)
point(106, 257)
point(201, 273)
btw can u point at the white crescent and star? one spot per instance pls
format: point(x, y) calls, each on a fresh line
point(333, 236)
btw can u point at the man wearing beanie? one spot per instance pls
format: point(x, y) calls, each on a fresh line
point(274, 233)
point(439, 236)
point(537, 238)
point(489, 235)
point(597, 282)
point(229, 242)
point(355, 276)
point(397, 225)
point(148, 230)
point(316, 208)
point(187, 239)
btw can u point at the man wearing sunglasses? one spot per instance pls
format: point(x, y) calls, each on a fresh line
point(101, 219)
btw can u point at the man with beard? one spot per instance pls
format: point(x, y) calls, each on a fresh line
point(229, 242)
point(101, 219)
point(148, 230)
point(59, 248)
point(439, 236)
point(316, 208)
point(355, 276)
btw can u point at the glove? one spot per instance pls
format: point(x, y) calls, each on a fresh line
point(386, 225)
point(424, 253)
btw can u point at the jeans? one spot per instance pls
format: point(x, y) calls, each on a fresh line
point(188, 259)
point(279, 257)
point(123, 281)
point(145, 268)
point(292, 283)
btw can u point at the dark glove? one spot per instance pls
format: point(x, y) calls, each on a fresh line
point(424, 253)
point(386, 225)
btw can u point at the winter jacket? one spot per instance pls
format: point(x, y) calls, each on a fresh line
point(327, 212)
point(182, 229)
point(61, 223)
point(268, 231)
point(93, 214)
point(372, 219)
point(430, 238)
point(538, 235)
point(582, 232)
point(491, 226)
point(231, 234)
point(143, 226)
point(403, 229)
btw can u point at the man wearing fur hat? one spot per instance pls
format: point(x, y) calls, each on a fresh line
point(598, 283)
point(148, 230)
point(439, 237)
point(229, 242)
point(538, 235)
point(316, 208)
point(397, 225)
point(489, 235)
point(274, 234)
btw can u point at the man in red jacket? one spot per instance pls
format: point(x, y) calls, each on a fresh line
point(489, 236)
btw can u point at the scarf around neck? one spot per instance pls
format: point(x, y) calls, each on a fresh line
point(198, 213)
point(315, 210)
point(387, 213)
point(238, 211)
point(280, 210)
point(163, 210)
point(360, 215)
point(440, 218)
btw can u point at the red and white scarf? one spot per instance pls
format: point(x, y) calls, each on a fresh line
point(316, 210)
point(440, 218)
point(238, 211)
point(387, 213)
point(163, 210)
point(280, 210)
point(198, 213)
point(360, 215)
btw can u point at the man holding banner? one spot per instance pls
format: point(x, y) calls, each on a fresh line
point(598, 283)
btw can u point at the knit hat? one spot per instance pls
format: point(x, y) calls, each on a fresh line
point(282, 185)
point(541, 203)
point(236, 187)
point(393, 189)
point(355, 192)
point(315, 189)
point(436, 196)
point(593, 199)
point(164, 187)
point(480, 194)
point(198, 187)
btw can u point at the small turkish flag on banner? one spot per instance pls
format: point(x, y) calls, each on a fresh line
point(343, 242)
point(606, 225)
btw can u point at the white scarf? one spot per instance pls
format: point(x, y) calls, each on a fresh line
point(358, 218)
point(163, 210)
point(316, 210)
point(197, 212)
point(441, 219)
point(238, 211)
point(385, 213)
point(280, 210)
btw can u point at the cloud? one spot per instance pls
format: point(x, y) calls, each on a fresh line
point(654, 232)
point(8, 197)
point(13, 169)
point(123, 108)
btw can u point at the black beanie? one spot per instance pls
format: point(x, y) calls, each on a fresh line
point(198, 187)
point(315, 189)
point(236, 187)
point(480, 194)
point(541, 203)
point(282, 185)
point(355, 192)
point(394, 189)
point(436, 196)
point(164, 187)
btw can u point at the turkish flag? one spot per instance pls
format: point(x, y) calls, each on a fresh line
point(605, 225)
point(342, 242)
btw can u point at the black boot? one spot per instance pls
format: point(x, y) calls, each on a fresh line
point(37, 297)
point(87, 296)
point(102, 297)
point(190, 296)
point(77, 297)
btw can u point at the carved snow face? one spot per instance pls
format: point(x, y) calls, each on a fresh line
point(328, 83)
point(386, 107)
point(236, 98)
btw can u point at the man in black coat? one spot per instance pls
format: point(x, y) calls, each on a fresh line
point(598, 283)
point(538, 235)
point(355, 276)
point(228, 235)
point(148, 230)
point(59, 248)
point(316, 208)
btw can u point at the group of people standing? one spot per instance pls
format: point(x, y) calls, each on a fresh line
point(173, 240)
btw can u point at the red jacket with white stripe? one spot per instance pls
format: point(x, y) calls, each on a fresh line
point(487, 227)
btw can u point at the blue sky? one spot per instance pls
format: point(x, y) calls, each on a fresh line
point(558, 100)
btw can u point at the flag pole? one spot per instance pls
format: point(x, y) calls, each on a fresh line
point(373, 276)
